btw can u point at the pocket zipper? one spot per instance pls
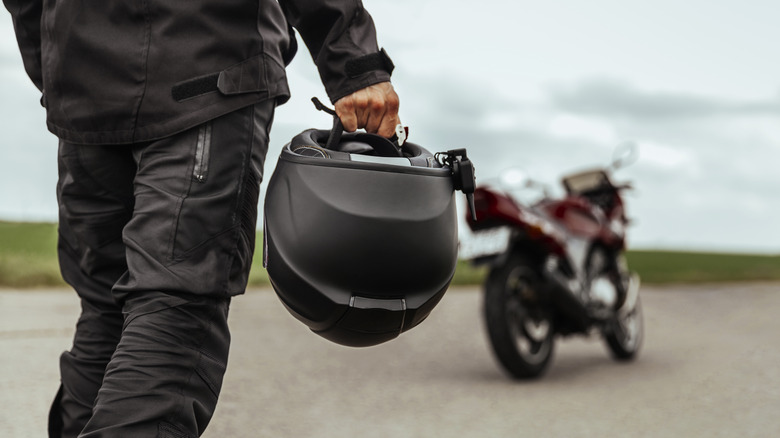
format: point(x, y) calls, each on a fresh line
point(202, 150)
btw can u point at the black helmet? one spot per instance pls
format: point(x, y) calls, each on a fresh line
point(360, 235)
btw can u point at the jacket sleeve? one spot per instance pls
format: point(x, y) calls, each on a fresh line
point(341, 38)
point(26, 16)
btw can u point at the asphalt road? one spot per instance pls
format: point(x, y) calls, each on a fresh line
point(710, 367)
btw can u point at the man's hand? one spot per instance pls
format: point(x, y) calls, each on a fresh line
point(374, 108)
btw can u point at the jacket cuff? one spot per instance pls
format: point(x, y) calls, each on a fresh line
point(360, 73)
point(364, 64)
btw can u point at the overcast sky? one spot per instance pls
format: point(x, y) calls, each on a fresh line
point(548, 87)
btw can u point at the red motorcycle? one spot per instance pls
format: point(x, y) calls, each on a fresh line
point(557, 267)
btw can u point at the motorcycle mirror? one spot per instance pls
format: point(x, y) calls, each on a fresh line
point(625, 154)
point(513, 178)
point(517, 181)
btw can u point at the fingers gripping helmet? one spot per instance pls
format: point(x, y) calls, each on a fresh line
point(360, 236)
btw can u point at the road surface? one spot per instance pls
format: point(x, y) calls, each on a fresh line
point(709, 367)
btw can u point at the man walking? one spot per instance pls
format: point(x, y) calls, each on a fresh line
point(162, 110)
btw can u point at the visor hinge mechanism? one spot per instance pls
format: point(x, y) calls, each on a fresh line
point(463, 175)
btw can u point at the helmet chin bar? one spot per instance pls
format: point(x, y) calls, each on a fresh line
point(385, 317)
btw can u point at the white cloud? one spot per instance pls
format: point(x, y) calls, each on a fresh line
point(665, 156)
point(589, 129)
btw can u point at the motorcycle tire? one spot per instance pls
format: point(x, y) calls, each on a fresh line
point(624, 334)
point(519, 325)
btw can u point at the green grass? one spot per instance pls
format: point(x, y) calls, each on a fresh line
point(28, 255)
point(659, 267)
point(28, 258)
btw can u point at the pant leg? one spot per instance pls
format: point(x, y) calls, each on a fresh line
point(95, 195)
point(189, 249)
point(166, 374)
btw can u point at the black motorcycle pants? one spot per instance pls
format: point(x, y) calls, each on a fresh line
point(155, 238)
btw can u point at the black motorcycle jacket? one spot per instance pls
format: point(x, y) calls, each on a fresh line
point(115, 72)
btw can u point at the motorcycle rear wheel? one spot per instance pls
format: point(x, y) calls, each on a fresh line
point(519, 326)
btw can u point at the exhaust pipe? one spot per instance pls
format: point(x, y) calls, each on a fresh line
point(564, 297)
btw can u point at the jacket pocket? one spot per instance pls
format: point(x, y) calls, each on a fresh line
point(202, 153)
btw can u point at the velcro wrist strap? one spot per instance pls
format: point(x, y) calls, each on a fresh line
point(375, 61)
